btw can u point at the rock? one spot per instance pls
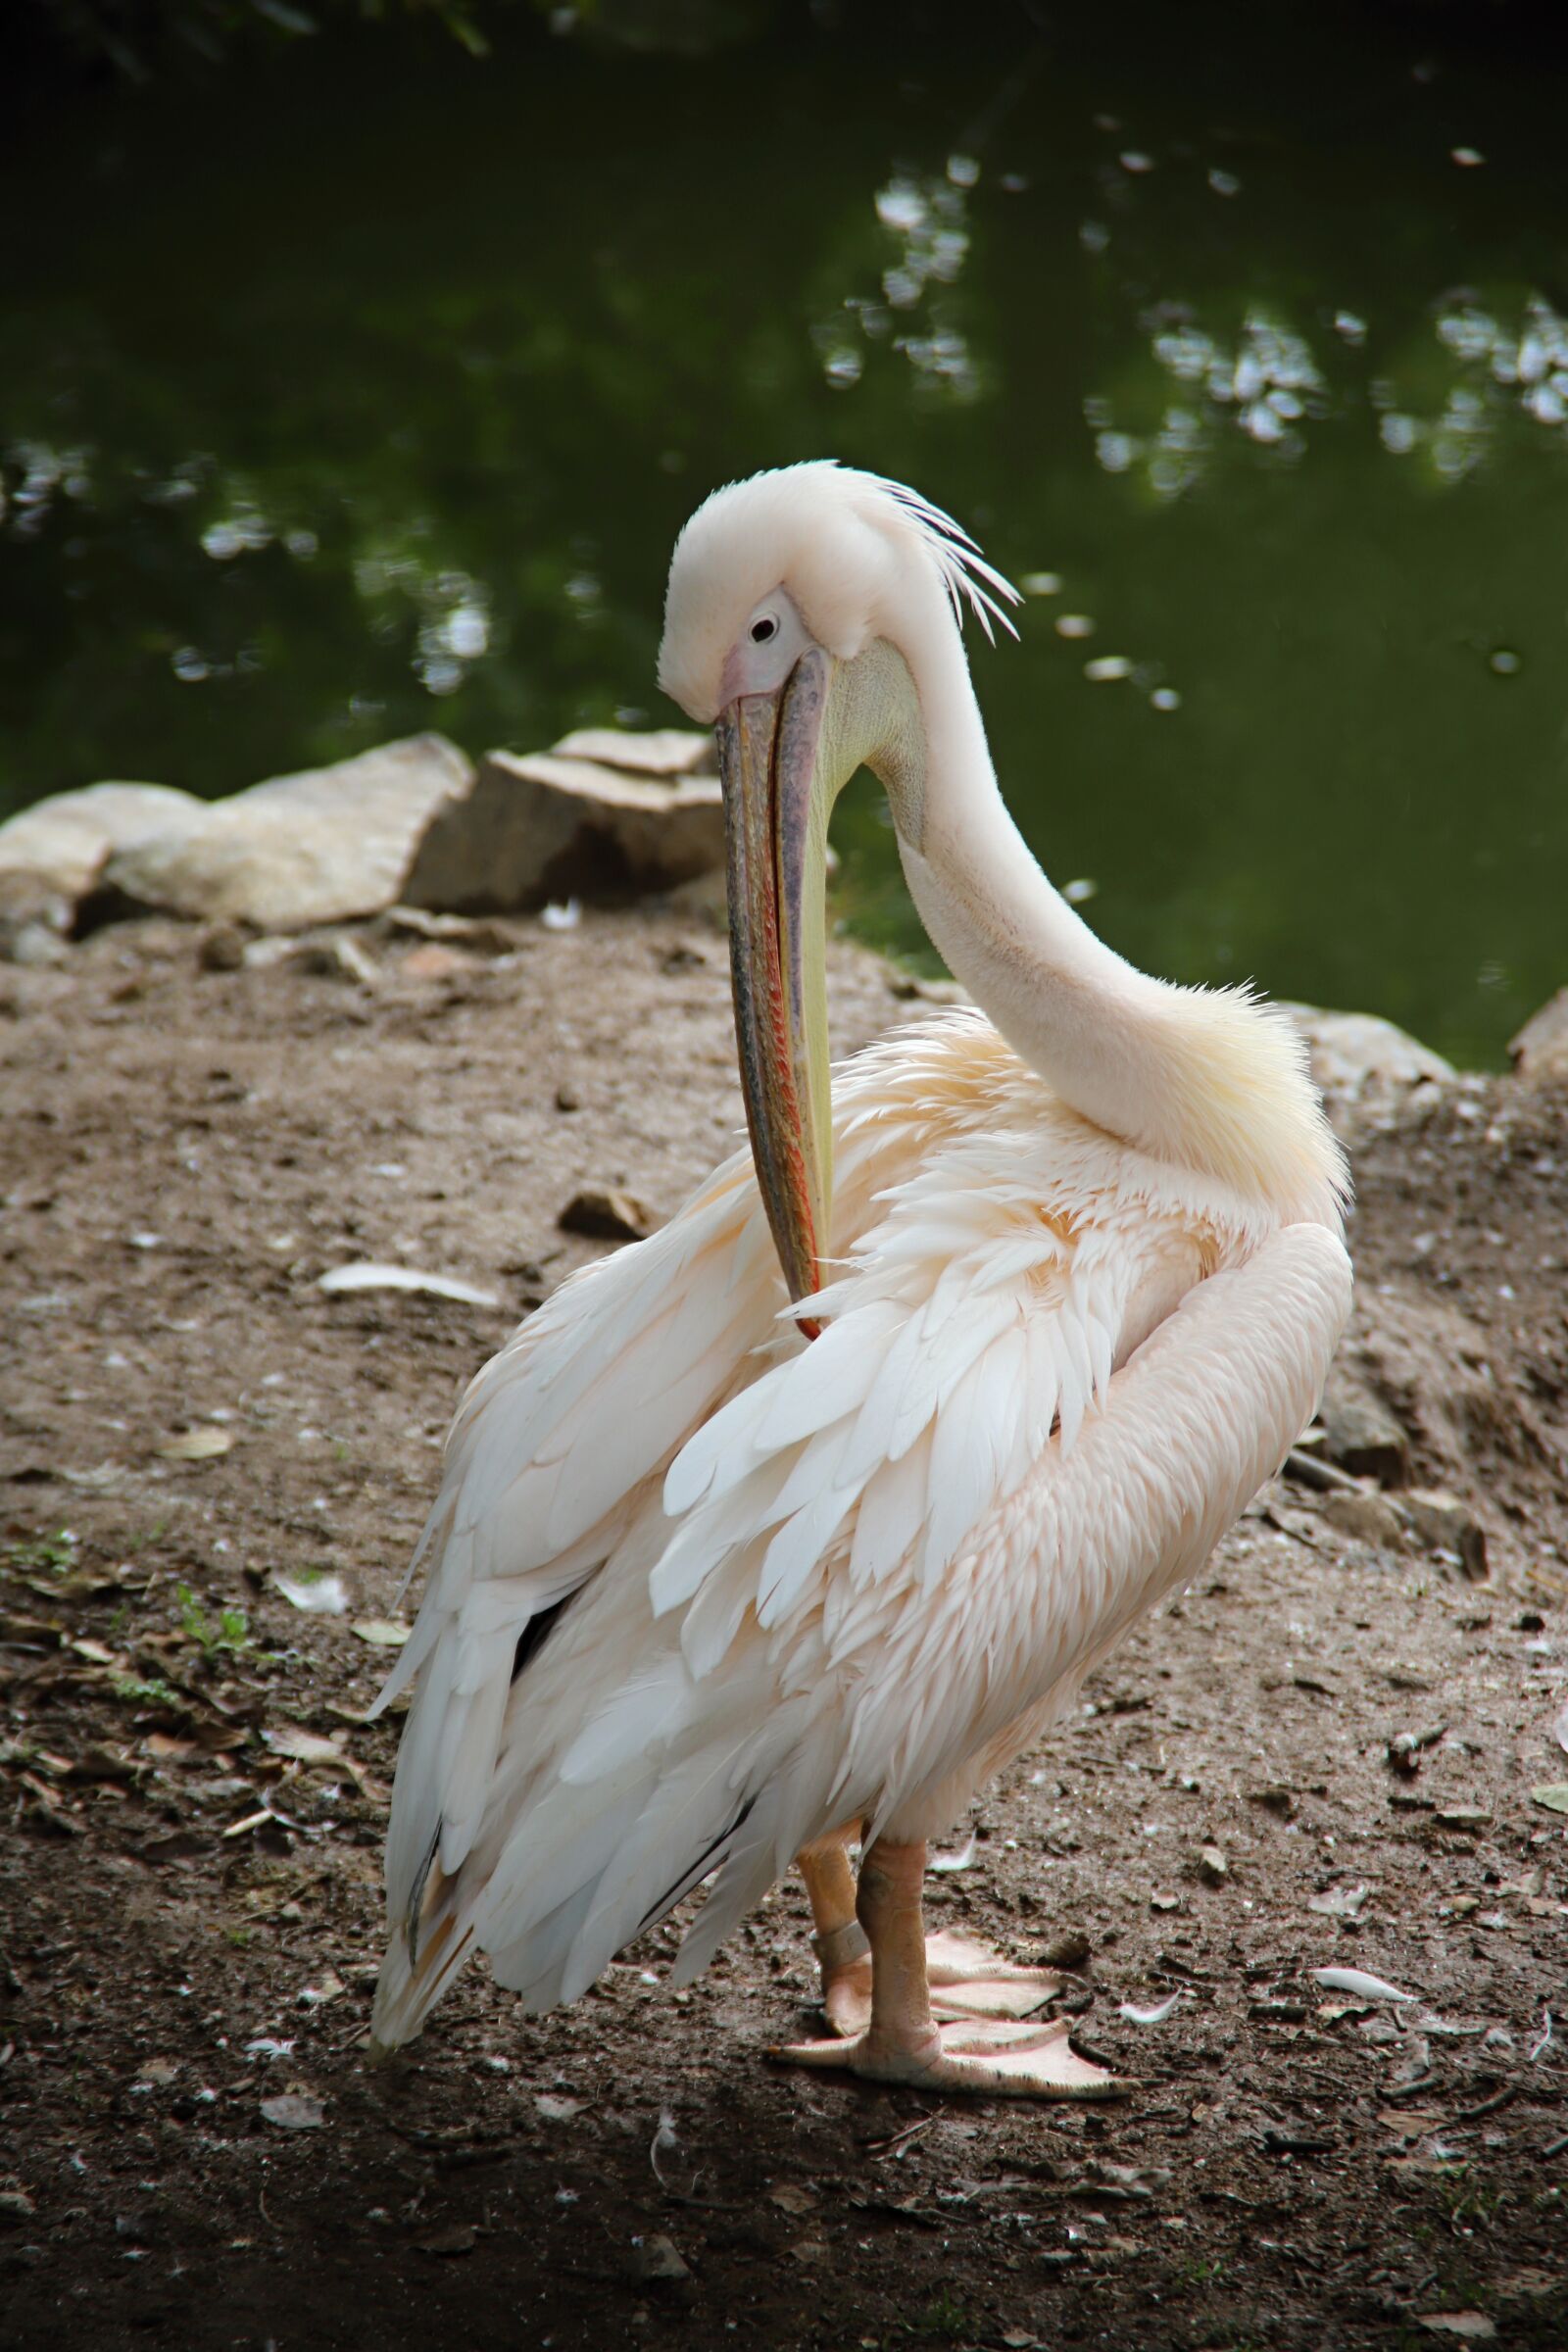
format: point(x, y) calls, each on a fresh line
point(1540, 1049)
point(1212, 1867)
point(1362, 1062)
point(1367, 1519)
point(71, 837)
point(322, 847)
point(606, 1215)
point(35, 916)
point(551, 826)
point(660, 751)
point(1441, 1522)
point(437, 962)
point(657, 2260)
point(223, 950)
point(1360, 1434)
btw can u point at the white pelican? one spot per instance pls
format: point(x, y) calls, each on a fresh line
point(721, 1577)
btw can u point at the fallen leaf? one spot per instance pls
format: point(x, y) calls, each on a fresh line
point(370, 1274)
point(792, 2199)
point(1357, 1982)
point(382, 1633)
point(294, 2110)
point(196, 1445)
point(305, 1747)
point(316, 1591)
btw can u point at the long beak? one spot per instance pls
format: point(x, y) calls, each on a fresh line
point(775, 826)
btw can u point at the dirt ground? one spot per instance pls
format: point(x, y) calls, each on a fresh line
point(193, 2150)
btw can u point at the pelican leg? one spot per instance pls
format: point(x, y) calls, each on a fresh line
point(967, 1978)
point(840, 1942)
point(903, 2041)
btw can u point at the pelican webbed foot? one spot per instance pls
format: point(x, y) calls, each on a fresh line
point(908, 2008)
point(1010, 2059)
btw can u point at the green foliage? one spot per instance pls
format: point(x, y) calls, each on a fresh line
point(148, 1691)
point(229, 1632)
point(54, 1554)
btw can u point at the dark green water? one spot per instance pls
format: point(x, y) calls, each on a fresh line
point(362, 388)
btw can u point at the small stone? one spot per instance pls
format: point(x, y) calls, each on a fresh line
point(459, 2238)
point(1464, 1816)
point(1368, 1519)
point(222, 948)
point(15, 2206)
point(567, 1098)
point(1275, 1799)
point(1212, 1867)
point(606, 1214)
point(657, 2260)
point(434, 962)
point(35, 916)
point(1361, 1435)
point(1164, 1902)
point(1441, 1522)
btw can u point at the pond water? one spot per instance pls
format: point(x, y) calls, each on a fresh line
point(362, 387)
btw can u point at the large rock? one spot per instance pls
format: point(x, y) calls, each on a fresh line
point(316, 847)
point(70, 838)
point(554, 824)
point(1364, 1064)
point(1540, 1049)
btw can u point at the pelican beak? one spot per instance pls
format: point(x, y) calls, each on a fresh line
point(776, 824)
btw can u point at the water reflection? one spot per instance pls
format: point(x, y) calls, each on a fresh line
point(421, 459)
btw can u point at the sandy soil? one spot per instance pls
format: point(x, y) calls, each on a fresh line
point(194, 1808)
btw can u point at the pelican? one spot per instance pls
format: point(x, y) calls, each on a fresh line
point(793, 1523)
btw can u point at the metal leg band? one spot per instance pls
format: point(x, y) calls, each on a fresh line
point(840, 1945)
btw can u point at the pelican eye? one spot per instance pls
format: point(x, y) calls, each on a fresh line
point(763, 629)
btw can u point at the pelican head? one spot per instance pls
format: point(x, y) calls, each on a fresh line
point(802, 606)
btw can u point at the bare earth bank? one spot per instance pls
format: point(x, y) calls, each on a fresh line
point(195, 2153)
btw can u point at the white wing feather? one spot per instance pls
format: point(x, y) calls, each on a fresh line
point(871, 1560)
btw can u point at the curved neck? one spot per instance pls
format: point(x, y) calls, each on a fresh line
point(1209, 1081)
